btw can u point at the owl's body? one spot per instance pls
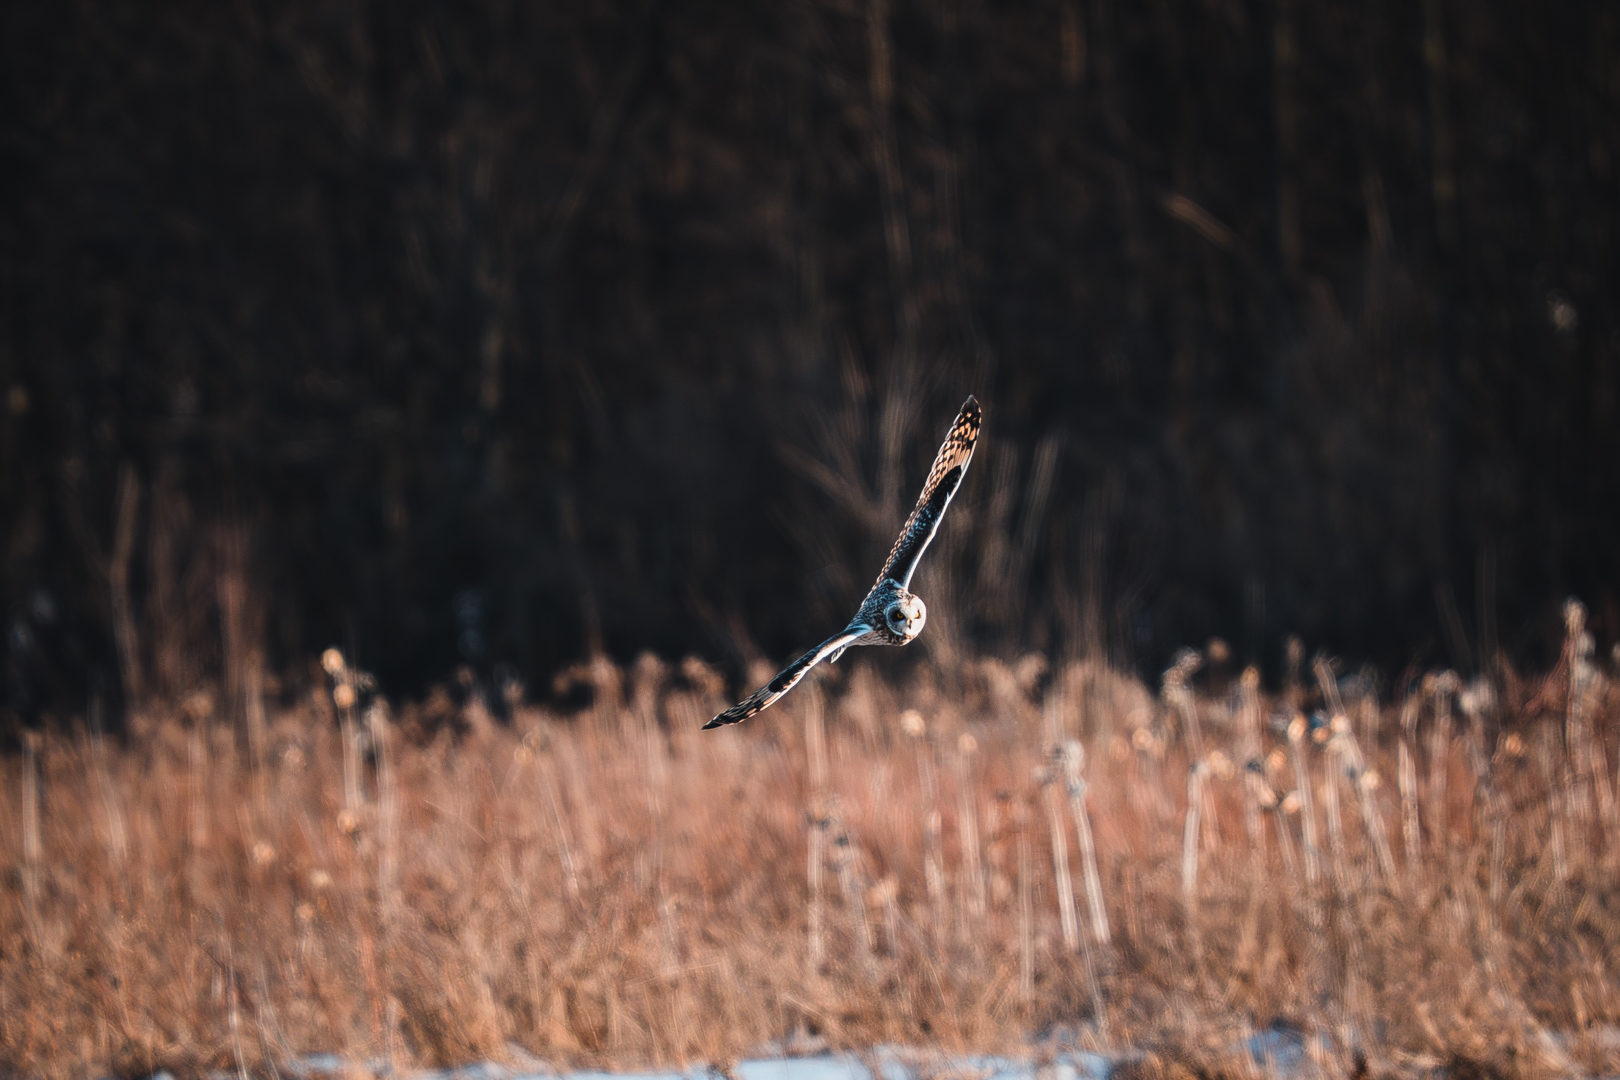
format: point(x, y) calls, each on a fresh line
point(891, 614)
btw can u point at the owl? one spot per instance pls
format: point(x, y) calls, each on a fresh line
point(891, 614)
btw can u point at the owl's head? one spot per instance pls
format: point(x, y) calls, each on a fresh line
point(906, 615)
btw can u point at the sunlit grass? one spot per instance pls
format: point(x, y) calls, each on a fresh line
point(976, 862)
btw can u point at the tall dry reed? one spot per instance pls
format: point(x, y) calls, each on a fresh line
point(616, 886)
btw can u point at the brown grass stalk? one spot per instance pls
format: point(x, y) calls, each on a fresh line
point(1306, 803)
point(1026, 921)
point(1440, 689)
point(1074, 765)
point(973, 904)
point(615, 888)
point(1249, 754)
point(1411, 828)
point(1196, 778)
point(1060, 864)
point(819, 820)
point(1343, 742)
point(30, 827)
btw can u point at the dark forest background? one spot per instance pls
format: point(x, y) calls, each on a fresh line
point(501, 333)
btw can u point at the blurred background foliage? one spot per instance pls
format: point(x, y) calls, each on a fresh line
point(500, 334)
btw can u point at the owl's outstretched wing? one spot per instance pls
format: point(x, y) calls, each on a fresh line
point(787, 678)
point(943, 480)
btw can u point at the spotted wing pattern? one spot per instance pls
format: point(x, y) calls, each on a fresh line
point(788, 677)
point(943, 479)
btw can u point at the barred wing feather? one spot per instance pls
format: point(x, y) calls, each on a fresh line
point(950, 464)
point(786, 679)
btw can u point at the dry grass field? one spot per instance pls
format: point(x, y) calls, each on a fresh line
point(1009, 857)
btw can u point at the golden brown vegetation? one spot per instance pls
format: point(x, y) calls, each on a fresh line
point(976, 859)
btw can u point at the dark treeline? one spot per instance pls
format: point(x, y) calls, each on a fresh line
point(500, 333)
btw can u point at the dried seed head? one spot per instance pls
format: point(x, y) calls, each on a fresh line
point(911, 722)
point(966, 743)
point(1221, 765)
point(1296, 728)
point(319, 879)
point(199, 706)
point(883, 892)
point(343, 696)
point(1574, 616)
point(1290, 803)
point(1074, 755)
point(332, 662)
point(348, 822)
point(1251, 678)
point(1585, 647)
point(1000, 887)
point(1182, 667)
point(1477, 697)
point(263, 854)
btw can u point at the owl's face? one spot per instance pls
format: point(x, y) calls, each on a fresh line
point(906, 616)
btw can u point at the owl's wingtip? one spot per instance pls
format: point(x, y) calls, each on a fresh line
point(734, 715)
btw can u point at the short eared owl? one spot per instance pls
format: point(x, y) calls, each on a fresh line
point(891, 614)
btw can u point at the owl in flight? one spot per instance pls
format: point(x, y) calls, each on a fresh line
point(891, 614)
